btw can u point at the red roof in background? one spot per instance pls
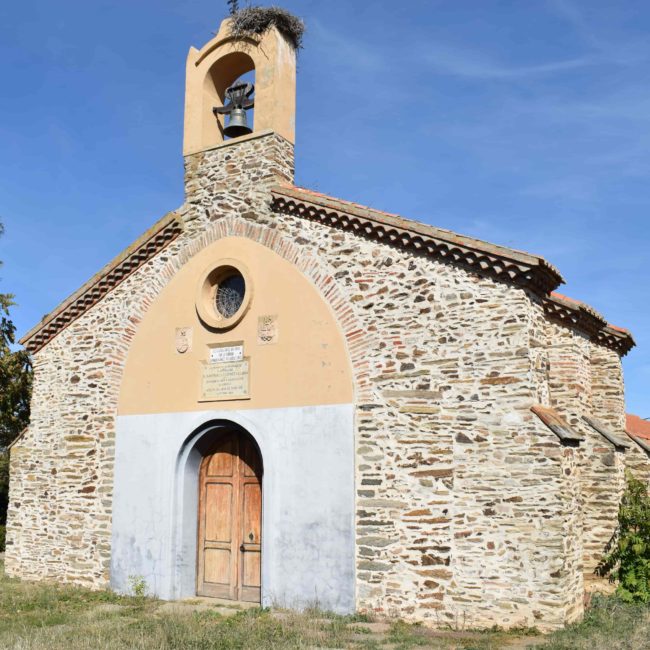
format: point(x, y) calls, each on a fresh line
point(637, 426)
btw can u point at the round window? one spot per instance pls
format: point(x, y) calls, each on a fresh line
point(223, 295)
point(230, 294)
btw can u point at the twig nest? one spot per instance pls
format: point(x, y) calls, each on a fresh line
point(256, 20)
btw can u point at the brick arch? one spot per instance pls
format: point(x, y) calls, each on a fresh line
point(317, 271)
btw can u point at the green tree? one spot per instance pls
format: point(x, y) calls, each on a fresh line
point(628, 562)
point(15, 391)
point(15, 378)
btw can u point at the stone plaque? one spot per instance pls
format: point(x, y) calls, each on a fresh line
point(224, 353)
point(225, 381)
point(267, 330)
point(184, 339)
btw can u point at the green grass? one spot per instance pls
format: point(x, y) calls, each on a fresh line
point(39, 616)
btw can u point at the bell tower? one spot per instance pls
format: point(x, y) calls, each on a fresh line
point(214, 69)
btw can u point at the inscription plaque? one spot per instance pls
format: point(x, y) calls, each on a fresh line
point(225, 381)
point(226, 353)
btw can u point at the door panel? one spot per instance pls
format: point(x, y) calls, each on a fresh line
point(222, 462)
point(251, 549)
point(252, 521)
point(217, 566)
point(230, 521)
point(251, 571)
point(218, 512)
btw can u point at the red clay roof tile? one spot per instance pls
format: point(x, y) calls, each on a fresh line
point(637, 427)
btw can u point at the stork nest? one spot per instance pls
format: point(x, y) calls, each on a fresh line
point(256, 20)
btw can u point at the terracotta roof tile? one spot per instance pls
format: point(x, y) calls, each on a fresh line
point(623, 330)
point(637, 427)
point(557, 424)
point(144, 248)
point(501, 262)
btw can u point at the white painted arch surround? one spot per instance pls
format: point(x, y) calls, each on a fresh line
point(307, 502)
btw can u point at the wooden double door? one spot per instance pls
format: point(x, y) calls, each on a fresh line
point(230, 520)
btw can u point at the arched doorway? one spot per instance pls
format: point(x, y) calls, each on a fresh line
point(229, 546)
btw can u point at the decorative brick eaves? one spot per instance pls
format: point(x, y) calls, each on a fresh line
point(148, 245)
point(582, 317)
point(616, 339)
point(498, 262)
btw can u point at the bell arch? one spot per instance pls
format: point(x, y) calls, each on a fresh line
point(210, 70)
point(222, 74)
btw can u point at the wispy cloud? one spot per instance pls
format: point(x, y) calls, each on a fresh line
point(571, 13)
point(479, 65)
point(612, 47)
point(575, 188)
point(354, 54)
point(342, 51)
point(599, 49)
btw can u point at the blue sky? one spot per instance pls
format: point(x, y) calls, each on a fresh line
point(523, 123)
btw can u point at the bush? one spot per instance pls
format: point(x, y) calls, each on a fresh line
point(629, 560)
point(2, 538)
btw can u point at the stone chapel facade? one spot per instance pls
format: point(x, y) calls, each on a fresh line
point(278, 396)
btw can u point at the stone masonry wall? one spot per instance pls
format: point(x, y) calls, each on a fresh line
point(569, 485)
point(609, 406)
point(637, 461)
point(607, 388)
point(601, 464)
point(466, 503)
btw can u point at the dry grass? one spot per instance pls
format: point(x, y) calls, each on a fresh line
point(609, 624)
point(40, 616)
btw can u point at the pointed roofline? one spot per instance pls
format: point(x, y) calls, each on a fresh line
point(500, 263)
point(129, 260)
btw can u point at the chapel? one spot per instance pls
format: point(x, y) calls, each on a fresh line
point(281, 397)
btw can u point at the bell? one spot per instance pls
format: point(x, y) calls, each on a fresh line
point(237, 124)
